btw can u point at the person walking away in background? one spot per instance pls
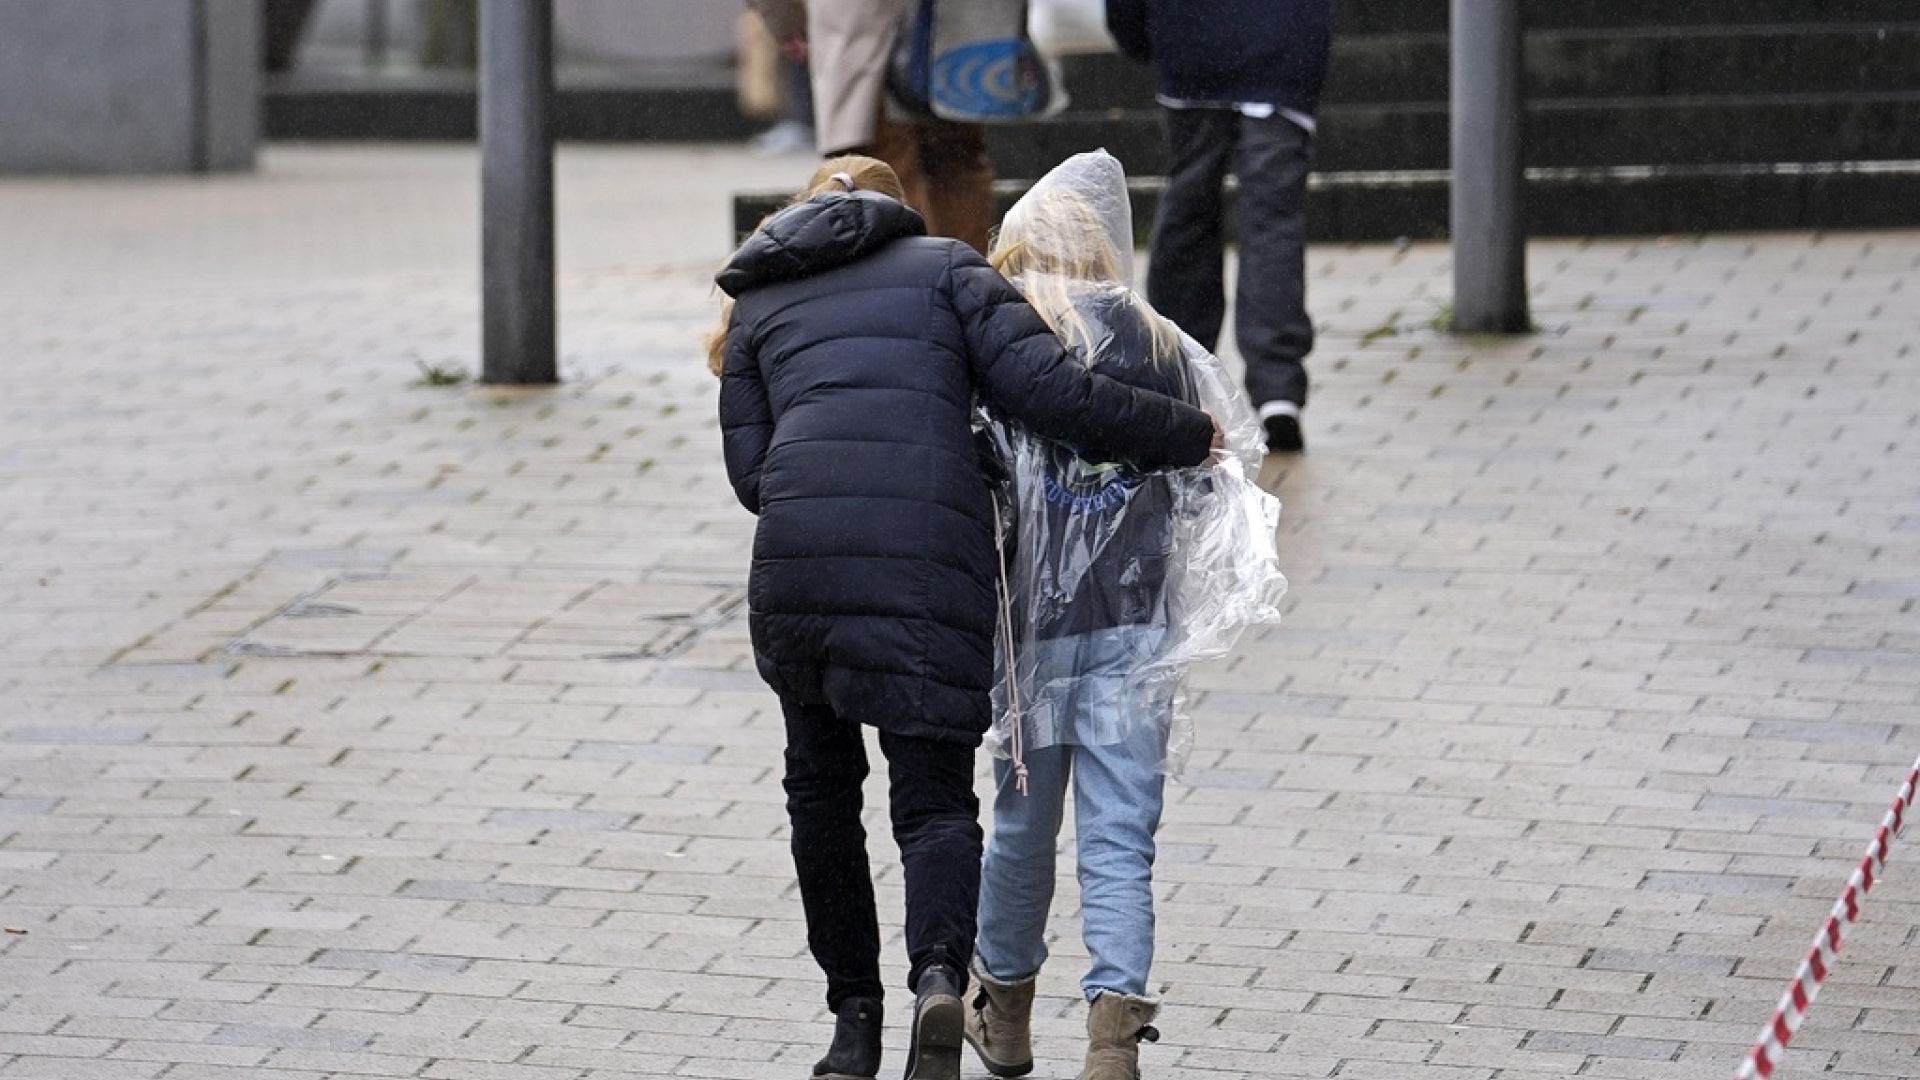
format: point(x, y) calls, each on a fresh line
point(943, 166)
point(1240, 82)
point(775, 85)
point(850, 359)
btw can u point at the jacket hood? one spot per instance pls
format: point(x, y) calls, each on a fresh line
point(816, 236)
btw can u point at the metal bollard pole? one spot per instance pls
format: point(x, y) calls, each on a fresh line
point(516, 192)
point(1487, 222)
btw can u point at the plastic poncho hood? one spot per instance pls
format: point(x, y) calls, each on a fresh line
point(1072, 219)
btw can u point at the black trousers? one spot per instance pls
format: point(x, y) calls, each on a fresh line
point(936, 822)
point(1186, 280)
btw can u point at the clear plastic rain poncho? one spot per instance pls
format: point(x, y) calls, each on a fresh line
point(1116, 581)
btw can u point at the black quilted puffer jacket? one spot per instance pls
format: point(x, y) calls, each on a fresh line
point(857, 348)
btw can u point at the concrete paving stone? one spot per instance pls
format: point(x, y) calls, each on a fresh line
point(289, 1038)
point(157, 983)
point(563, 820)
point(477, 891)
point(721, 1069)
point(645, 1062)
point(69, 736)
point(1650, 962)
point(180, 1054)
point(358, 960)
point(356, 1063)
point(663, 753)
point(422, 1043)
point(70, 1068)
point(57, 1046)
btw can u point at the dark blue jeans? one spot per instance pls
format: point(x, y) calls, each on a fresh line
point(1186, 280)
point(936, 823)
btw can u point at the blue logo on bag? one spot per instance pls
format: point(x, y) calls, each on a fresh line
point(989, 79)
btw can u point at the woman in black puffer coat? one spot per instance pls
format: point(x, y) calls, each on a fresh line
point(850, 364)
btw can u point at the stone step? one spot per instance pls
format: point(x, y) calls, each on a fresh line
point(1559, 133)
point(696, 102)
point(1349, 206)
point(1402, 16)
point(666, 104)
point(1691, 61)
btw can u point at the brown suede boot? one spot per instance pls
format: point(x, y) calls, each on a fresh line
point(999, 1023)
point(1116, 1026)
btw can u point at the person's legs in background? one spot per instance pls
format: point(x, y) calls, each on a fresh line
point(793, 133)
point(959, 190)
point(946, 171)
point(1271, 324)
point(1186, 279)
point(799, 92)
point(898, 144)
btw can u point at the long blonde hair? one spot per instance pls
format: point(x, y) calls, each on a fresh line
point(867, 174)
point(1054, 240)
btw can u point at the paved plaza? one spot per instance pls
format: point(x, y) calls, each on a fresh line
point(352, 726)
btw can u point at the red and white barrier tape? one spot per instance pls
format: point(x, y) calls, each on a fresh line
point(1826, 944)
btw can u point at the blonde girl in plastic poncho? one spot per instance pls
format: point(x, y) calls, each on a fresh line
point(1116, 581)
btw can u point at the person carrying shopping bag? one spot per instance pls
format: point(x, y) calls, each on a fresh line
point(943, 166)
point(850, 358)
point(1116, 579)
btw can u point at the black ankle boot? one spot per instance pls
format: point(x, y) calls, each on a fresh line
point(855, 1053)
point(933, 1051)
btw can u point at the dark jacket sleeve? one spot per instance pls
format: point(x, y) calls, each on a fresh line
point(1024, 373)
point(746, 421)
point(1127, 21)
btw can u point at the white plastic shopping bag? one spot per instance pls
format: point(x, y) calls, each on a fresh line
point(1069, 27)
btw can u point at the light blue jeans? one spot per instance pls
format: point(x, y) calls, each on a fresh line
point(1118, 792)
